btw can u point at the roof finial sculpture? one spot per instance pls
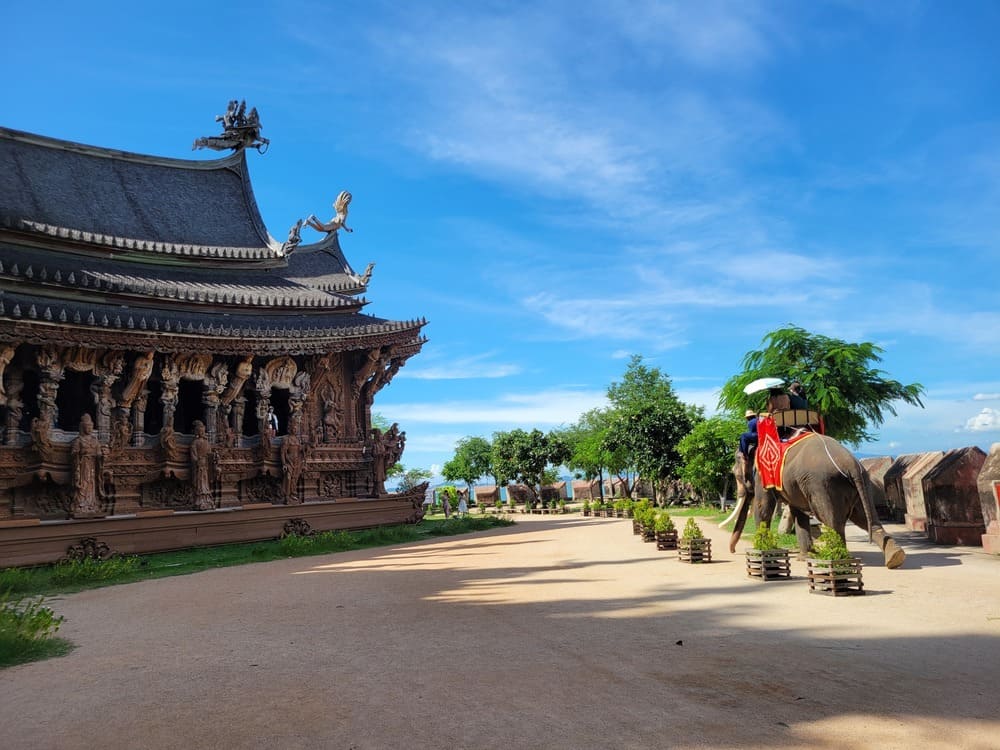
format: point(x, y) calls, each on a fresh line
point(339, 221)
point(240, 129)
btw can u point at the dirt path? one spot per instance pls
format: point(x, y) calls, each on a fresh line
point(556, 633)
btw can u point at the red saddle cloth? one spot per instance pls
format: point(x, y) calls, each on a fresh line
point(771, 452)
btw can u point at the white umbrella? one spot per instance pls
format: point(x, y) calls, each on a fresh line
point(762, 384)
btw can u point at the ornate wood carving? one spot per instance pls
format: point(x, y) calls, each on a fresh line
point(141, 370)
point(6, 355)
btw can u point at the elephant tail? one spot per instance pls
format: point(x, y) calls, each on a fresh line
point(858, 477)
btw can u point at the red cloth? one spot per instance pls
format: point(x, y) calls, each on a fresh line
point(771, 452)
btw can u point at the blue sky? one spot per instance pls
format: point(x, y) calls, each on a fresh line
point(558, 185)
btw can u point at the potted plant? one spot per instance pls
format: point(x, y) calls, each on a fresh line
point(586, 507)
point(666, 532)
point(831, 568)
point(694, 546)
point(767, 560)
point(562, 506)
point(647, 525)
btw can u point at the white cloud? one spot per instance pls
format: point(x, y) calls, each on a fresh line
point(464, 368)
point(988, 420)
point(549, 408)
point(986, 397)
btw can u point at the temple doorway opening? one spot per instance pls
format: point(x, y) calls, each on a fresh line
point(75, 399)
point(279, 402)
point(29, 397)
point(152, 420)
point(189, 405)
point(250, 426)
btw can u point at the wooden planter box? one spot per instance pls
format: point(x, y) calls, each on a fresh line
point(586, 512)
point(835, 577)
point(666, 540)
point(768, 565)
point(636, 528)
point(648, 535)
point(694, 550)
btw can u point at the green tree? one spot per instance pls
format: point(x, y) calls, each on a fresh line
point(523, 457)
point(410, 478)
point(588, 455)
point(472, 460)
point(839, 379)
point(708, 452)
point(647, 422)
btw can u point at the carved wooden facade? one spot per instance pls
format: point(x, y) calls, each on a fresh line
point(147, 294)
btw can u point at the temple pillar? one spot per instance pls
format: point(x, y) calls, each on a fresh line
point(15, 407)
point(139, 418)
point(236, 419)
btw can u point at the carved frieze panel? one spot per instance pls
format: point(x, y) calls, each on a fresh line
point(167, 493)
point(263, 489)
point(279, 372)
point(193, 366)
point(76, 358)
point(47, 500)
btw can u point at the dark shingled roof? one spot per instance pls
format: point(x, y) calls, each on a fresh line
point(95, 241)
point(48, 183)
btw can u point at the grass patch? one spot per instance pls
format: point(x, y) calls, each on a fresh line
point(78, 575)
point(27, 630)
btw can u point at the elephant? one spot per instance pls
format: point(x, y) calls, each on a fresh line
point(819, 475)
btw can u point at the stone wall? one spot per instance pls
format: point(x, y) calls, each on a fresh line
point(951, 498)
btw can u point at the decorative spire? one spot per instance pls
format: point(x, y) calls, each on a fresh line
point(240, 129)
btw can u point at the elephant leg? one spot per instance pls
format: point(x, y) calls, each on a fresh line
point(803, 535)
point(787, 520)
point(894, 554)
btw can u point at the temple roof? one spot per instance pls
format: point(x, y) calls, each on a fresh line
point(162, 205)
point(104, 240)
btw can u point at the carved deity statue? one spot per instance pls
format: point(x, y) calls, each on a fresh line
point(87, 457)
point(141, 370)
point(6, 355)
point(201, 468)
point(366, 371)
point(339, 221)
point(292, 454)
point(379, 464)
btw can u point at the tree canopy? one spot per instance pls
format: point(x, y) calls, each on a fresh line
point(708, 453)
point(839, 379)
point(472, 460)
point(647, 422)
point(523, 457)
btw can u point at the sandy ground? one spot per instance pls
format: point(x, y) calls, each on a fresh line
point(562, 632)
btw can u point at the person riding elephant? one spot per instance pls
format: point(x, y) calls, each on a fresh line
point(820, 476)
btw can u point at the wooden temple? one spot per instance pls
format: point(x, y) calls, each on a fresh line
point(170, 374)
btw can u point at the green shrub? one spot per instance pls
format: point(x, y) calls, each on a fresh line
point(764, 539)
point(664, 523)
point(27, 630)
point(692, 530)
point(830, 546)
point(586, 506)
